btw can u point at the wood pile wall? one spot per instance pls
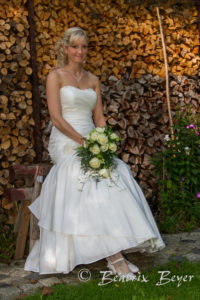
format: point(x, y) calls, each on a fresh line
point(125, 52)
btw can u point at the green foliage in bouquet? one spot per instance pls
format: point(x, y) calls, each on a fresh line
point(98, 152)
point(178, 170)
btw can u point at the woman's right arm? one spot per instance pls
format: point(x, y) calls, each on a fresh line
point(54, 107)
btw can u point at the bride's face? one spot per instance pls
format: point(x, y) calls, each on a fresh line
point(77, 51)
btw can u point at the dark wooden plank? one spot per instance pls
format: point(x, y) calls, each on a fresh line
point(23, 171)
point(18, 171)
point(20, 194)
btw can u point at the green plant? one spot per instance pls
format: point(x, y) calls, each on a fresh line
point(7, 242)
point(178, 172)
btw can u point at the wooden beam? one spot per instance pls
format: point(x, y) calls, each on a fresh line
point(22, 230)
point(35, 91)
point(20, 194)
point(19, 171)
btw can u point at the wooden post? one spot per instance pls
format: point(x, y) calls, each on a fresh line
point(23, 229)
point(35, 91)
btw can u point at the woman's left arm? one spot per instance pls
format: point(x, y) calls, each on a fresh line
point(98, 116)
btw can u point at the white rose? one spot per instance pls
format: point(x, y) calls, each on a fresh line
point(104, 147)
point(112, 147)
point(94, 162)
point(88, 137)
point(94, 136)
point(100, 129)
point(113, 136)
point(105, 173)
point(95, 149)
point(102, 139)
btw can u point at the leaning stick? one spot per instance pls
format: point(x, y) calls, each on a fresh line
point(167, 75)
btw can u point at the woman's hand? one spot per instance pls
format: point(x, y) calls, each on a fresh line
point(81, 141)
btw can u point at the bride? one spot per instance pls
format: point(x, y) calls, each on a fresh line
point(83, 226)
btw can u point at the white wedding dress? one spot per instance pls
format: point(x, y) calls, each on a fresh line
point(80, 224)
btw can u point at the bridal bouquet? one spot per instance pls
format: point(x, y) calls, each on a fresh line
point(98, 152)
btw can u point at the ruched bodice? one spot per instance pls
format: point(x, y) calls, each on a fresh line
point(77, 106)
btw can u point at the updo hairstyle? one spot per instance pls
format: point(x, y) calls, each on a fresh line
point(70, 36)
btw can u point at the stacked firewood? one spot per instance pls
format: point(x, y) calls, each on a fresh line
point(125, 52)
point(16, 122)
point(137, 111)
point(121, 35)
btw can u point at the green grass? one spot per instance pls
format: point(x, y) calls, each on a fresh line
point(137, 290)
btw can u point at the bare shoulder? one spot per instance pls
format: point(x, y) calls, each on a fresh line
point(53, 74)
point(53, 77)
point(93, 79)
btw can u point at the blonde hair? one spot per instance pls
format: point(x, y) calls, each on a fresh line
point(69, 37)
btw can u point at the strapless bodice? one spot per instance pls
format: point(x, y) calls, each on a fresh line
point(77, 103)
point(77, 106)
